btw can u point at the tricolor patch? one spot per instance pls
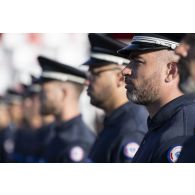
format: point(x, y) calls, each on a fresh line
point(130, 149)
point(76, 154)
point(173, 154)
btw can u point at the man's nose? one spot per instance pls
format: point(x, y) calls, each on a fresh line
point(126, 71)
point(89, 79)
point(87, 82)
point(182, 50)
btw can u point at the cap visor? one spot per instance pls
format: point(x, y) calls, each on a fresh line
point(93, 62)
point(139, 48)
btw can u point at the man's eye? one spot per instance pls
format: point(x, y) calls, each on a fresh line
point(96, 73)
point(135, 60)
point(138, 61)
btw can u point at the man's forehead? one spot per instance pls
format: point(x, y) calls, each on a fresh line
point(141, 54)
point(52, 83)
point(136, 54)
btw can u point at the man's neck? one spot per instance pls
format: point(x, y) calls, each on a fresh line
point(47, 119)
point(111, 106)
point(69, 112)
point(156, 106)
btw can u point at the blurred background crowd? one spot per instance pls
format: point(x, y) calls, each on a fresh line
point(20, 117)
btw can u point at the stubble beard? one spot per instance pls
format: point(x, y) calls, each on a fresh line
point(146, 93)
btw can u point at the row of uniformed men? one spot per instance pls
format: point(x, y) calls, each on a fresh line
point(147, 73)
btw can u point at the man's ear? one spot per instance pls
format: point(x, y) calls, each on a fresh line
point(64, 90)
point(172, 71)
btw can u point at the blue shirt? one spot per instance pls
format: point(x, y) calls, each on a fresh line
point(69, 142)
point(121, 136)
point(168, 130)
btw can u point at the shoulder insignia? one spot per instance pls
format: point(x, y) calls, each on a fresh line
point(173, 153)
point(130, 149)
point(77, 154)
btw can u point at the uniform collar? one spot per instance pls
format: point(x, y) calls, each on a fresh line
point(170, 109)
point(116, 113)
point(67, 124)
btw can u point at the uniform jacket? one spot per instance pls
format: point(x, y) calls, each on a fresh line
point(69, 142)
point(168, 130)
point(121, 136)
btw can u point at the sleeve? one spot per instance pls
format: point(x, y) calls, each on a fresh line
point(76, 153)
point(127, 146)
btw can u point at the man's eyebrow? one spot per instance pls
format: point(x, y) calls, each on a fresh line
point(134, 55)
point(137, 55)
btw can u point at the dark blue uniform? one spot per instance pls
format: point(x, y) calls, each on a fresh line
point(7, 144)
point(123, 132)
point(25, 145)
point(69, 142)
point(188, 155)
point(44, 135)
point(168, 130)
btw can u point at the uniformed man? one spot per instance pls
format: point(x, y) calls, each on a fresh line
point(45, 131)
point(26, 137)
point(31, 105)
point(4, 132)
point(70, 139)
point(152, 80)
point(125, 122)
point(14, 99)
point(186, 51)
point(5, 118)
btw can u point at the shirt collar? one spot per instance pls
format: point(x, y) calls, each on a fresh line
point(168, 110)
point(116, 113)
point(67, 124)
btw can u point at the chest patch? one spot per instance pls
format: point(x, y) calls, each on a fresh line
point(173, 154)
point(8, 146)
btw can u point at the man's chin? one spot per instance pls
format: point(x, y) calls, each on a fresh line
point(95, 103)
point(133, 98)
point(45, 112)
